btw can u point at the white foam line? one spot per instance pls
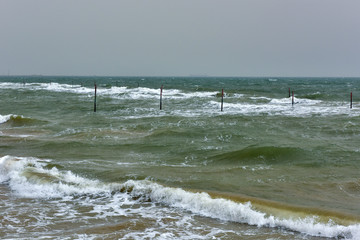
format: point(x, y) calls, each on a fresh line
point(17, 172)
point(302, 108)
point(116, 92)
point(203, 204)
point(5, 118)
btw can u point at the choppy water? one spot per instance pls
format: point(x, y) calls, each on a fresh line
point(260, 169)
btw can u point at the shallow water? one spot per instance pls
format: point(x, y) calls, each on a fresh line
point(261, 168)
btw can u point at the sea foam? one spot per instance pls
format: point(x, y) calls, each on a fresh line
point(5, 118)
point(29, 177)
point(234, 104)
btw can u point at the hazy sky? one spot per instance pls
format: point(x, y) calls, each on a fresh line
point(180, 37)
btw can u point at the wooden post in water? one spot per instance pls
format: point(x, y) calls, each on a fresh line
point(351, 100)
point(95, 97)
point(292, 99)
point(222, 99)
point(161, 90)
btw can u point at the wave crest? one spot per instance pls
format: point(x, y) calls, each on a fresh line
point(17, 120)
point(266, 155)
point(30, 177)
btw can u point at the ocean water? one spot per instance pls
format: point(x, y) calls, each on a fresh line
point(263, 168)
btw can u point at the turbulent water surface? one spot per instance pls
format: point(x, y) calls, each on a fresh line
point(263, 168)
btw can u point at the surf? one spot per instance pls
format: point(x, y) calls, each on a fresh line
point(13, 120)
point(35, 178)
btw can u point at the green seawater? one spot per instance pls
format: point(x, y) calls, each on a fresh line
point(290, 161)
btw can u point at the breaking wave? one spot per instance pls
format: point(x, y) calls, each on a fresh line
point(17, 120)
point(36, 178)
point(234, 103)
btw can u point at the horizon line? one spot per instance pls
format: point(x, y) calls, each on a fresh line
point(173, 76)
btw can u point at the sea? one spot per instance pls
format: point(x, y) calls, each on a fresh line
point(224, 157)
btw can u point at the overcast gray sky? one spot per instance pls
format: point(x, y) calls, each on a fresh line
point(180, 37)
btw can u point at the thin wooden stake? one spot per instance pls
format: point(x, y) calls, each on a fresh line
point(292, 100)
point(161, 90)
point(95, 97)
point(351, 100)
point(222, 99)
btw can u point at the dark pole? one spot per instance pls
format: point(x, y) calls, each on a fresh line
point(351, 100)
point(292, 100)
point(95, 98)
point(161, 97)
point(222, 99)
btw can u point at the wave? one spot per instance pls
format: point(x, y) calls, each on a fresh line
point(351, 188)
point(288, 101)
point(234, 103)
point(5, 118)
point(167, 133)
point(316, 96)
point(37, 178)
point(17, 120)
point(262, 155)
point(302, 107)
point(114, 91)
point(57, 87)
point(31, 177)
